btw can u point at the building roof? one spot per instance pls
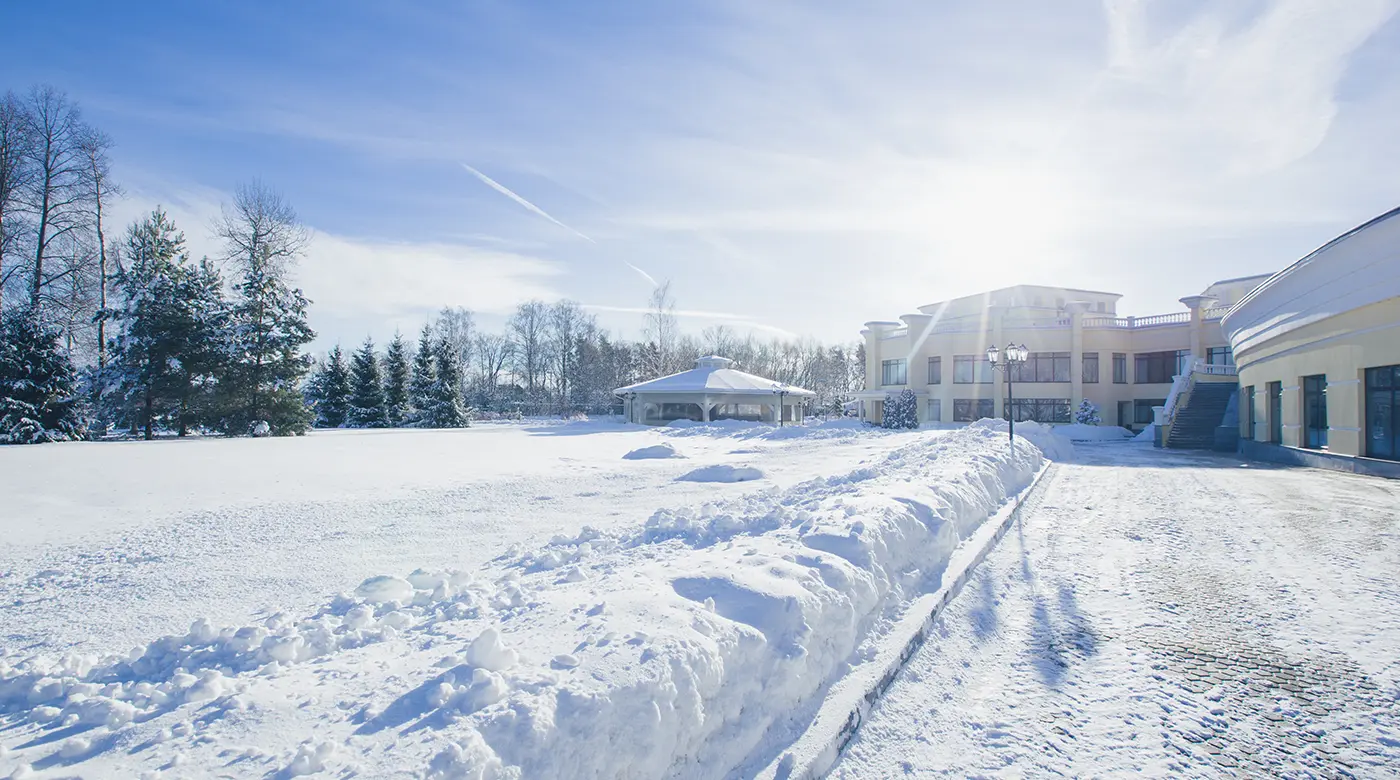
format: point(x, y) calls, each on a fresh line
point(713, 375)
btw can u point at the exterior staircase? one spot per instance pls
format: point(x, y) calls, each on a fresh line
point(1201, 412)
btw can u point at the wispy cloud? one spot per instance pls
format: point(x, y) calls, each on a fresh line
point(743, 320)
point(506, 191)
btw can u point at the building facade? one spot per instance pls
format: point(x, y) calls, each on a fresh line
point(1081, 348)
point(1318, 351)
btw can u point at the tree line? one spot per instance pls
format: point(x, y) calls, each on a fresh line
point(551, 358)
point(133, 334)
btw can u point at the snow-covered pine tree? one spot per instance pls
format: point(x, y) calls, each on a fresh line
point(155, 324)
point(202, 333)
point(420, 386)
point(446, 406)
point(397, 377)
point(38, 393)
point(1087, 414)
point(901, 411)
point(331, 391)
point(267, 365)
point(367, 389)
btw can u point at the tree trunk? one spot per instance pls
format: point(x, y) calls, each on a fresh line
point(101, 293)
point(149, 414)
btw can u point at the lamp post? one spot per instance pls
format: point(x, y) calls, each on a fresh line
point(1005, 360)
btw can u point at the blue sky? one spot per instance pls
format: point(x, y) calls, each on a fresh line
point(792, 167)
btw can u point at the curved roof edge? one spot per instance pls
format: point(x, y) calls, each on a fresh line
point(1357, 268)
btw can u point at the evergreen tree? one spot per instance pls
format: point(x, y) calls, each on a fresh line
point(266, 363)
point(1087, 414)
point(445, 398)
point(420, 387)
point(38, 394)
point(331, 391)
point(367, 389)
point(172, 329)
point(397, 377)
point(900, 411)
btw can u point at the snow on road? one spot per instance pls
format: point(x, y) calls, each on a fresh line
point(514, 601)
point(107, 545)
point(1170, 614)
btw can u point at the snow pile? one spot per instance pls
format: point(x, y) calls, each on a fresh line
point(1079, 432)
point(663, 450)
point(1148, 434)
point(686, 647)
point(722, 472)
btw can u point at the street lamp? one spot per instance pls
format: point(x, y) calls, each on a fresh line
point(1005, 360)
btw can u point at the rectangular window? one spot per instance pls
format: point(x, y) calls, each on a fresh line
point(1120, 368)
point(1220, 356)
point(1382, 422)
point(972, 409)
point(1142, 409)
point(935, 370)
point(1125, 413)
point(935, 410)
point(971, 369)
point(1275, 390)
point(1249, 413)
point(1315, 411)
point(1044, 410)
point(1043, 367)
point(894, 372)
point(1155, 368)
point(1091, 368)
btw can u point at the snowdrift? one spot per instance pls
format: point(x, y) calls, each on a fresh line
point(1077, 432)
point(655, 451)
point(722, 472)
point(691, 647)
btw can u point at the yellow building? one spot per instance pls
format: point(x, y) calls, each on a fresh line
point(1318, 347)
point(1081, 348)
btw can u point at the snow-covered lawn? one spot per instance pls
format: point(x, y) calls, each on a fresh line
point(1168, 614)
point(513, 600)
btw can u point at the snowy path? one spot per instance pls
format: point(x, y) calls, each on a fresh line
point(108, 545)
point(1164, 613)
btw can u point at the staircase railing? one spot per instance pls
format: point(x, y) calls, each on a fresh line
point(1180, 394)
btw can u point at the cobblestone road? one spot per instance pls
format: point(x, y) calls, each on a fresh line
point(1165, 613)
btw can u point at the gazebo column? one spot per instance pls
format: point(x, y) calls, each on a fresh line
point(705, 407)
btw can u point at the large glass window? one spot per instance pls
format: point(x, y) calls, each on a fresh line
point(1382, 422)
point(935, 370)
point(1043, 367)
point(1275, 390)
point(1125, 413)
point(971, 369)
point(935, 410)
point(1142, 409)
point(1220, 356)
point(1315, 411)
point(894, 372)
point(1120, 368)
point(972, 409)
point(1091, 368)
point(1155, 368)
point(1045, 410)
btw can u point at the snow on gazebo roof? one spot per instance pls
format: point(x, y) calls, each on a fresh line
point(712, 374)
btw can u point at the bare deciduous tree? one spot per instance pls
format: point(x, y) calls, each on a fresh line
point(260, 229)
point(662, 329)
point(15, 178)
point(57, 198)
point(456, 326)
point(94, 147)
point(527, 329)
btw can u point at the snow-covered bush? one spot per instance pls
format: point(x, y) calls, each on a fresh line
point(1087, 414)
point(901, 411)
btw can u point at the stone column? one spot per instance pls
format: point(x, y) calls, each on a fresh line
point(1196, 303)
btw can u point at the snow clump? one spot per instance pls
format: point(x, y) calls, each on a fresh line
point(722, 472)
point(654, 452)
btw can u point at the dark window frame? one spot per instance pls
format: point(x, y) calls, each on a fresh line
point(1090, 371)
point(1382, 399)
point(1142, 409)
point(1314, 389)
point(971, 370)
point(1043, 410)
point(1043, 367)
point(896, 368)
point(1120, 368)
point(973, 409)
point(935, 370)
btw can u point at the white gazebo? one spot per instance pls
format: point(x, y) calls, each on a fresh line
point(713, 391)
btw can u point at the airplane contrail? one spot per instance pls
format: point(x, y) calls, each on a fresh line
point(644, 274)
point(506, 191)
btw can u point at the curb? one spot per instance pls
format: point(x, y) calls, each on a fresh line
point(848, 703)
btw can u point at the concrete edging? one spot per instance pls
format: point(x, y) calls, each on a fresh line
point(848, 703)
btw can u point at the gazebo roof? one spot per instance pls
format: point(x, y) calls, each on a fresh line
point(713, 375)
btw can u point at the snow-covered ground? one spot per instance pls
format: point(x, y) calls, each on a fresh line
point(1167, 614)
point(504, 601)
